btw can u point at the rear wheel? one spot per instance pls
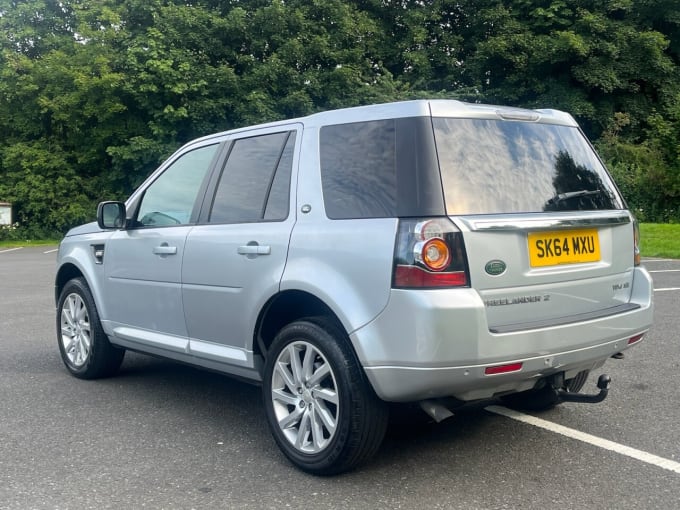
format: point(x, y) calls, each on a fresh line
point(576, 384)
point(321, 410)
point(83, 345)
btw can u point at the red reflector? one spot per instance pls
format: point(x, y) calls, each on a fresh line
point(635, 338)
point(503, 369)
point(413, 276)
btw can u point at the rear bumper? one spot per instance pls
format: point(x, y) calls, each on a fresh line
point(437, 343)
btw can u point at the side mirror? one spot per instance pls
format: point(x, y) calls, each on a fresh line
point(111, 215)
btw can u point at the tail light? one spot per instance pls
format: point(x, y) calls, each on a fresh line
point(636, 243)
point(429, 253)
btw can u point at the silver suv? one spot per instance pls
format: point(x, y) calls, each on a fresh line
point(430, 252)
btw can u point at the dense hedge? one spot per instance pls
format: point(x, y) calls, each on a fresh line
point(93, 95)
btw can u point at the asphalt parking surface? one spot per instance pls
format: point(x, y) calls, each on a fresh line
point(163, 435)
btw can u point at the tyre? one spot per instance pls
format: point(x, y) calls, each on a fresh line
point(83, 345)
point(321, 410)
point(576, 384)
point(545, 398)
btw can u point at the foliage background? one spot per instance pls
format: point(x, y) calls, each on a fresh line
point(94, 94)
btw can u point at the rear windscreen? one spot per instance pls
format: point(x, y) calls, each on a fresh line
point(496, 166)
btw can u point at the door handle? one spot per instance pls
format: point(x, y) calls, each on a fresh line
point(254, 249)
point(164, 249)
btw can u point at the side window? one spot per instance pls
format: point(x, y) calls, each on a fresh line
point(358, 169)
point(255, 182)
point(169, 200)
point(279, 197)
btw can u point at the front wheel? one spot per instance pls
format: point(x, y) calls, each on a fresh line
point(83, 345)
point(321, 410)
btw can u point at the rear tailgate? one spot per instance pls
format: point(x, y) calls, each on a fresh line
point(536, 270)
point(548, 238)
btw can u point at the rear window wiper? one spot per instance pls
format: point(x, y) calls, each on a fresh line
point(561, 197)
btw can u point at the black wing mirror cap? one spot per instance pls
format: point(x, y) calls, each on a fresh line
point(111, 215)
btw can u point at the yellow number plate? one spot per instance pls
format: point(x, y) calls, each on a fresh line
point(563, 247)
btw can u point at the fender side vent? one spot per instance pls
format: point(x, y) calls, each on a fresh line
point(98, 252)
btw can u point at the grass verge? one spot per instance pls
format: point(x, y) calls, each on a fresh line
point(660, 240)
point(26, 244)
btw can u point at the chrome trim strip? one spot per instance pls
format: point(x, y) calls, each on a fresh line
point(581, 317)
point(546, 222)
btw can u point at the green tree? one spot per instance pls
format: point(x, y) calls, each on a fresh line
point(93, 95)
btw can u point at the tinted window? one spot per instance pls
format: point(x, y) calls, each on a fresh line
point(491, 166)
point(379, 169)
point(358, 169)
point(248, 178)
point(279, 196)
point(169, 200)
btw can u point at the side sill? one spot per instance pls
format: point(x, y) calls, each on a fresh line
point(562, 321)
point(152, 338)
point(249, 375)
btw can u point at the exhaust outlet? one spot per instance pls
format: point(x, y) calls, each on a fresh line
point(435, 410)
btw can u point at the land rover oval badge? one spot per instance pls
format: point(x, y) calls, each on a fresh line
point(495, 267)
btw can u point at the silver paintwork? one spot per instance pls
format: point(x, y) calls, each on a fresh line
point(228, 274)
point(305, 397)
point(223, 290)
point(143, 287)
point(194, 293)
point(451, 345)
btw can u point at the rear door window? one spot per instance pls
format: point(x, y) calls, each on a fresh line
point(495, 166)
point(255, 182)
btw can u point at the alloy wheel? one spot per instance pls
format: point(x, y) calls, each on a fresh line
point(76, 335)
point(305, 397)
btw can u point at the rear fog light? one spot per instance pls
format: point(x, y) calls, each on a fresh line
point(503, 369)
point(635, 338)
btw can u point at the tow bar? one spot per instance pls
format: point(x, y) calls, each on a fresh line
point(602, 383)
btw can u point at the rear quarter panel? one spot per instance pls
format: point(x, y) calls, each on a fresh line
point(345, 263)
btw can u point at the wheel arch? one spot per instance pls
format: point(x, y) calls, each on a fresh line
point(66, 272)
point(286, 307)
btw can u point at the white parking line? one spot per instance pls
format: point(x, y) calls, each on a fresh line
point(633, 453)
point(666, 289)
point(50, 251)
point(10, 249)
point(664, 271)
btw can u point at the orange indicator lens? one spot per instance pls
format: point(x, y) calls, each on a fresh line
point(435, 254)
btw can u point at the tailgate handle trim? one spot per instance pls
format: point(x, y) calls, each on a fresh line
point(546, 223)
